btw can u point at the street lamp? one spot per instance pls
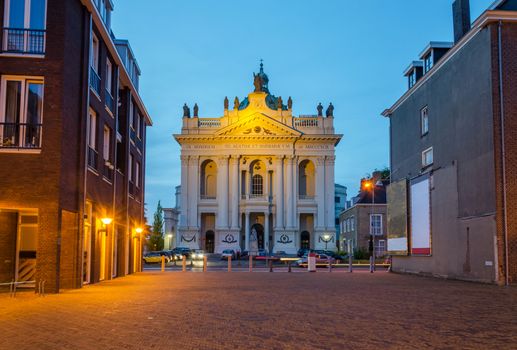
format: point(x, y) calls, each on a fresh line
point(170, 240)
point(106, 221)
point(370, 184)
point(139, 230)
point(326, 238)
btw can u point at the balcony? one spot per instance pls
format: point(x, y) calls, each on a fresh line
point(92, 158)
point(95, 82)
point(20, 135)
point(23, 41)
point(110, 102)
point(108, 170)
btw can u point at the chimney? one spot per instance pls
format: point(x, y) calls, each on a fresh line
point(461, 18)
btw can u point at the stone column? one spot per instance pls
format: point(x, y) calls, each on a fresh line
point(330, 193)
point(294, 179)
point(289, 192)
point(184, 191)
point(266, 231)
point(193, 191)
point(320, 193)
point(234, 170)
point(247, 232)
point(222, 192)
point(279, 192)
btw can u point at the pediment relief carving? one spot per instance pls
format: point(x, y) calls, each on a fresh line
point(258, 125)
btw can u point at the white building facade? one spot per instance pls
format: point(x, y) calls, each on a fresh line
point(257, 177)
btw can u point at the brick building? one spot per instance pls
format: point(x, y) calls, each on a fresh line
point(72, 145)
point(452, 204)
point(366, 218)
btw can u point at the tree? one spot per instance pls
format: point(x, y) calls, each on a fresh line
point(155, 241)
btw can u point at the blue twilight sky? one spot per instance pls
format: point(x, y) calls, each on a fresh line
point(350, 53)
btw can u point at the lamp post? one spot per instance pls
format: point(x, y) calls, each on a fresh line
point(326, 238)
point(367, 185)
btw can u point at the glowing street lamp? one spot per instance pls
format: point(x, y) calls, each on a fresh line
point(170, 240)
point(106, 221)
point(326, 238)
point(139, 230)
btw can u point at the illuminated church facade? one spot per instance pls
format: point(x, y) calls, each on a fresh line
point(257, 177)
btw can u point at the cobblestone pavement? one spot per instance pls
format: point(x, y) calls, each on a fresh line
point(261, 310)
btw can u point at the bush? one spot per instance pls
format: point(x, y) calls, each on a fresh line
point(361, 254)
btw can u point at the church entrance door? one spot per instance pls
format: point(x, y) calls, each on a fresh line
point(257, 237)
point(209, 241)
point(305, 240)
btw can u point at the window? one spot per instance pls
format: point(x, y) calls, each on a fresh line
point(352, 223)
point(427, 157)
point(337, 200)
point(424, 121)
point(428, 62)
point(257, 185)
point(137, 174)
point(21, 112)
point(138, 125)
point(92, 129)
point(380, 247)
point(24, 24)
point(109, 76)
point(106, 151)
point(412, 79)
point(336, 222)
point(131, 116)
point(130, 168)
point(376, 224)
point(94, 59)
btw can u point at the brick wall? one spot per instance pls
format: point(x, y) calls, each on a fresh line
point(509, 71)
point(8, 231)
point(70, 258)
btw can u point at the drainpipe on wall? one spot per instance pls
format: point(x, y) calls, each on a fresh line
point(503, 154)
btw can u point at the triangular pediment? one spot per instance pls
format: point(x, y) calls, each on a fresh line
point(258, 124)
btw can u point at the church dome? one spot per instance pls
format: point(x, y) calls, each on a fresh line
point(271, 100)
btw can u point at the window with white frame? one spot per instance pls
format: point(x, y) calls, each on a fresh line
point(24, 26)
point(21, 112)
point(109, 76)
point(137, 174)
point(380, 247)
point(376, 224)
point(92, 129)
point(94, 59)
point(138, 125)
point(427, 157)
point(352, 223)
point(428, 62)
point(106, 150)
point(130, 168)
point(424, 121)
point(257, 185)
point(131, 114)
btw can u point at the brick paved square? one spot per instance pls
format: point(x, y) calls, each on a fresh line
point(240, 310)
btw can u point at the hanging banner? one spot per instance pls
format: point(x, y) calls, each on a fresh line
point(420, 216)
point(397, 218)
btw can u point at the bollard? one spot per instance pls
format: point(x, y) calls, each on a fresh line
point(229, 264)
point(289, 266)
point(184, 263)
point(350, 267)
point(163, 263)
point(270, 265)
point(250, 263)
point(205, 259)
point(371, 264)
point(330, 265)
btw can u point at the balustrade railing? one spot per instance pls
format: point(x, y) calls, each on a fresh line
point(20, 135)
point(23, 41)
point(95, 81)
point(306, 122)
point(209, 123)
point(110, 102)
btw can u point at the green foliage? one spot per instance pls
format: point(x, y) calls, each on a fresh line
point(155, 241)
point(360, 254)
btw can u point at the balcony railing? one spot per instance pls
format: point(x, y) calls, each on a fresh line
point(306, 122)
point(92, 158)
point(110, 102)
point(108, 170)
point(95, 81)
point(209, 123)
point(20, 135)
point(23, 41)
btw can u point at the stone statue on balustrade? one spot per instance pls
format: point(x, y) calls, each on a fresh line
point(186, 111)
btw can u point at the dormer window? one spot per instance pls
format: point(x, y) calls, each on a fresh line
point(428, 62)
point(413, 73)
point(411, 79)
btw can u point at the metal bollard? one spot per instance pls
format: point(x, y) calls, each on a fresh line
point(371, 264)
point(289, 266)
point(163, 263)
point(270, 265)
point(205, 259)
point(229, 264)
point(330, 266)
point(184, 263)
point(350, 267)
point(250, 263)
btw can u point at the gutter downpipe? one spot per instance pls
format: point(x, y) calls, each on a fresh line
point(503, 154)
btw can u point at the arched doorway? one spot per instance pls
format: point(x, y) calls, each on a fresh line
point(257, 237)
point(305, 240)
point(209, 241)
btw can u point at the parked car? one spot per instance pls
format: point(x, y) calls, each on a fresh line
point(183, 251)
point(197, 254)
point(244, 254)
point(334, 255)
point(320, 259)
point(155, 257)
point(303, 251)
point(228, 253)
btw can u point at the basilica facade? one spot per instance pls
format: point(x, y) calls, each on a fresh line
point(257, 177)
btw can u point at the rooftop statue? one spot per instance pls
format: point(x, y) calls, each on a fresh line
point(186, 111)
point(290, 103)
point(320, 110)
point(236, 103)
point(257, 82)
point(226, 103)
point(330, 110)
point(279, 102)
point(196, 110)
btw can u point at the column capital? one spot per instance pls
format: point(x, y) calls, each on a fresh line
point(193, 159)
point(320, 161)
point(222, 160)
point(184, 159)
point(290, 158)
point(330, 160)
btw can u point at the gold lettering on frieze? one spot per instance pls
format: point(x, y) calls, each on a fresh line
point(316, 147)
point(202, 147)
point(257, 146)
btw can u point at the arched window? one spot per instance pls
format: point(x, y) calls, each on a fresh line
point(306, 172)
point(257, 186)
point(208, 179)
